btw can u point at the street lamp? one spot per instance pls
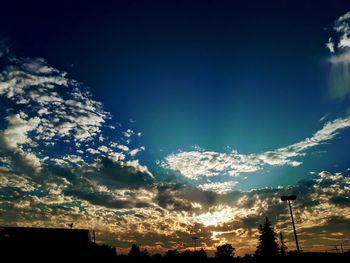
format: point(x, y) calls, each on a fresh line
point(195, 242)
point(292, 198)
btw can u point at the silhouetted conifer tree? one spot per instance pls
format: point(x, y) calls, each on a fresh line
point(134, 251)
point(283, 247)
point(267, 246)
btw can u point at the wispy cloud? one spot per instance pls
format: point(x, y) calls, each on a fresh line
point(339, 46)
point(200, 163)
point(324, 117)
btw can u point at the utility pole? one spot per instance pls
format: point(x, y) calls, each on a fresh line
point(341, 247)
point(336, 248)
point(289, 198)
point(195, 242)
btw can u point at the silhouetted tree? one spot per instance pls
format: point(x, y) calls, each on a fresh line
point(187, 254)
point(267, 246)
point(247, 258)
point(283, 247)
point(105, 251)
point(172, 253)
point(157, 256)
point(225, 251)
point(144, 253)
point(201, 253)
point(134, 251)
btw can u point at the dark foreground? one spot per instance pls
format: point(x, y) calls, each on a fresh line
point(52, 245)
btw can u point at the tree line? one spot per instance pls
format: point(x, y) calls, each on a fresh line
point(270, 246)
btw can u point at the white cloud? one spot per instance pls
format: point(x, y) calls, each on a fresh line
point(8, 179)
point(116, 156)
point(138, 167)
point(128, 133)
point(65, 109)
point(92, 151)
point(330, 45)
point(104, 149)
point(119, 146)
point(201, 163)
point(32, 160)
point(324, 117)
point(16, 133)
point(61, 111)
point(218, 187)
point(219, 216)
point(15, 136)
point(136, 151)
point(339, 47)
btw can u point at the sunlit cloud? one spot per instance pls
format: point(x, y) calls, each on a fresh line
point(201, 163)
point(218, 187)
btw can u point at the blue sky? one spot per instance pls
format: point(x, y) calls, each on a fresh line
point(159, 99)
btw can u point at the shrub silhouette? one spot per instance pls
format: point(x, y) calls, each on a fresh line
point(224, 251)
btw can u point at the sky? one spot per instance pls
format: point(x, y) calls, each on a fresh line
point(153, 121)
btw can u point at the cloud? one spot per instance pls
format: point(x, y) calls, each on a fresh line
point(58, 162)
point(200, 164)
point(181, 197)
point(16, 135)
point(218, 187)
point(63, 106)
point(324, 117)
point(17, 131)
point(330, 45)
point(59, 165)
point(45, 108)
point(119, 215)
point(339, 46)
point(136, 151)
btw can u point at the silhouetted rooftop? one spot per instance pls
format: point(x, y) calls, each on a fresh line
point(35, 241)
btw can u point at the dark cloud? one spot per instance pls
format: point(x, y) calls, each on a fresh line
point(181, 197)
point(122, 176)
point(341, 200)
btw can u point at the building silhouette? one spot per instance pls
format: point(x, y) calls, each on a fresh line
point(57, 243)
